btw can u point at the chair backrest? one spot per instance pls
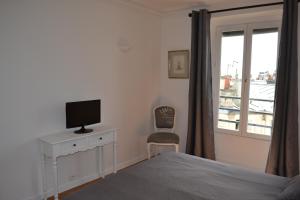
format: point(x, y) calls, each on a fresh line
point(164, 118)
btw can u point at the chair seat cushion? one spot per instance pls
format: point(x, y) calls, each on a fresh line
point(163, 137)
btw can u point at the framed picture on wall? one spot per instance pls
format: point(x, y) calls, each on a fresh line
point(178, 66)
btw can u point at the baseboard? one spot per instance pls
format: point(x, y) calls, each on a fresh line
point(71, 184)
point(125, 164)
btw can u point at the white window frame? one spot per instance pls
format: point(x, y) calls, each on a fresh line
point(248, 30)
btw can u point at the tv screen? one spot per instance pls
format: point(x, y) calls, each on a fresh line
point(83, 113)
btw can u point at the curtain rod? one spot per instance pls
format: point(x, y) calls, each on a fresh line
point(243, 8)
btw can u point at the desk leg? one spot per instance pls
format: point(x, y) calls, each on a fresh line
point(101, 164)
point(99, 160)
point(115, 157)
point(43, 171)
point(54, 166)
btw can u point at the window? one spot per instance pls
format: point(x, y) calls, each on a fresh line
point(247, 64)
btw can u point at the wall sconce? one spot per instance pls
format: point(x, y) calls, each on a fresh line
point(124, 45)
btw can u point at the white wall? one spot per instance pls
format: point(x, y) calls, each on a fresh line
point(176, 31)
point(176, 35)
point(56, 51)
point(52, 52)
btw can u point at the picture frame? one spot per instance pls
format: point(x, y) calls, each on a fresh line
point(178, 64)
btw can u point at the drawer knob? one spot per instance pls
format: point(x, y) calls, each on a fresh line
point(100, 138)
point(74, 145)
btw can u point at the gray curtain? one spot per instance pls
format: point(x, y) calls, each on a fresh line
point(200, 137)
point(283, 157)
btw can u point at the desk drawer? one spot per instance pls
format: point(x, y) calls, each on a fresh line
point(71, 147)
point(101, 139)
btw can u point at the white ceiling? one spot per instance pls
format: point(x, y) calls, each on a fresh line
point(173, 5)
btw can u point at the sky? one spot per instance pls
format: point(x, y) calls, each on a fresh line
point(263, 54)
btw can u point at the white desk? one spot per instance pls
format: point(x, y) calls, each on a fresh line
point(65, 143)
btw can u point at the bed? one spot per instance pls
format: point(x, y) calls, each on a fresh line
point(178, 176)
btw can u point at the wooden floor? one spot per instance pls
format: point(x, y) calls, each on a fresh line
point(76, 189)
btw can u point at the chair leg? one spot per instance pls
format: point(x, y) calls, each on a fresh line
point(176, 148)
point(149, 150)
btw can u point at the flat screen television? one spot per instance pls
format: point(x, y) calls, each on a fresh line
point(83, 113)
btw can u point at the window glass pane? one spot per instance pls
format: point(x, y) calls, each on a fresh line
point(262, 83)
point(232, 48)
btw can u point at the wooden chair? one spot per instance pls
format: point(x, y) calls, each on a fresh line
point(164, 125)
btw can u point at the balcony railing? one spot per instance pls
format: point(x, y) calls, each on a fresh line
point(251, 99)
point(250, 111)
point(250, 124)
